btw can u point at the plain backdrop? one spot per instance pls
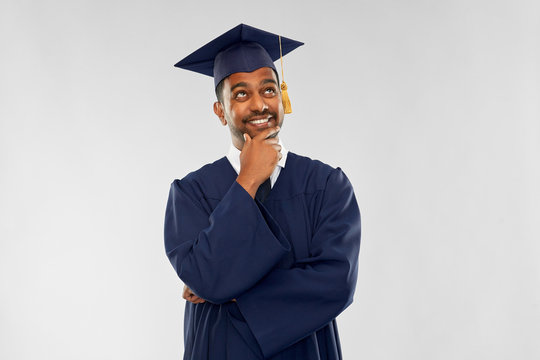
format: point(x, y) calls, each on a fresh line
point(430, 107)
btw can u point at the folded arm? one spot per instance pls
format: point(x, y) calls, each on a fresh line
point(211, 251)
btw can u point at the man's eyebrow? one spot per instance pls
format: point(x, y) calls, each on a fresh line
point(238, 85)
point(266, 81)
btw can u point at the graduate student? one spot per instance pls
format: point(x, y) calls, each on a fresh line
point(266, 241)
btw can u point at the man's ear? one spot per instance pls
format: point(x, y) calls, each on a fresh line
point(218, 110)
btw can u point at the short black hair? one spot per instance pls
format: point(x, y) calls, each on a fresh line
point(219, 87)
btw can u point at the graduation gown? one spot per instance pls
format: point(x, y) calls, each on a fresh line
point(291, 262)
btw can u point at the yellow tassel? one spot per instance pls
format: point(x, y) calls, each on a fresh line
point(285, 99)
point(287, 109)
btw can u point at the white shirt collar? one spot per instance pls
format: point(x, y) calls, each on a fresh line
point(234, 158)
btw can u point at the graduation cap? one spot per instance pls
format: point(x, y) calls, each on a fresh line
point(241, 49)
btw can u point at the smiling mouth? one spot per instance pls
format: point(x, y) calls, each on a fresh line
point(260, 121)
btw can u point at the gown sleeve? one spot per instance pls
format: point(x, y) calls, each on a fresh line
point(220, 254)
point(289, 304)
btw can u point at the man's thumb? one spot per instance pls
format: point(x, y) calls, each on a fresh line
point(247, 138)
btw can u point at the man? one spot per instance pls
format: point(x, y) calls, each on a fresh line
point(265, 240)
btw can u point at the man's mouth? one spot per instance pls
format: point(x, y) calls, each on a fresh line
point(259, 120)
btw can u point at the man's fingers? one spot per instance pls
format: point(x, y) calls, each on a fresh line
point(273, 132)
point(273, 135)
point(274, 140)
point(191, 297)
point(195, 299)
point(186, 292)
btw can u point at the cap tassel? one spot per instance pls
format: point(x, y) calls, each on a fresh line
point(285, 99)
point(287, 109)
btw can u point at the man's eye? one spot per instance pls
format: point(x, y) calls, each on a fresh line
point(270, 91)
point(240, 94)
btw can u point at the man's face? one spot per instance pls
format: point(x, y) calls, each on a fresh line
point(251, 103)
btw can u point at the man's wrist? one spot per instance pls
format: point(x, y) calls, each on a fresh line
point(249, 184)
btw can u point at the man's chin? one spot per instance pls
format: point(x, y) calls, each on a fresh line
point(256, 132)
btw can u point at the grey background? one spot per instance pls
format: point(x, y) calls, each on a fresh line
point(430, 107)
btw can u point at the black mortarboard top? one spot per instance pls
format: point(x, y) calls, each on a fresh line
point(241, 49)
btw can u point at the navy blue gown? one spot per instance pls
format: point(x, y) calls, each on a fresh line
point(291, 262)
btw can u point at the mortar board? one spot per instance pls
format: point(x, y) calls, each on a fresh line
point(241, 49)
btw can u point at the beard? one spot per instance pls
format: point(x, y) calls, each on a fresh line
point(237, 133)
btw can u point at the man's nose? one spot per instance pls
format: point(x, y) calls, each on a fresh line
point(258, 103)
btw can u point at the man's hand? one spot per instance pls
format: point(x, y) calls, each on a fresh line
point(191, 297)
point(258, 159)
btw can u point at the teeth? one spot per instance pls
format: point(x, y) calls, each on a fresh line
point(261, 121)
